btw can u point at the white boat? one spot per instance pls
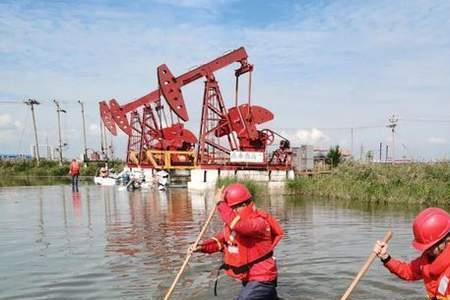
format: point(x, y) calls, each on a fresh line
point(109, 181)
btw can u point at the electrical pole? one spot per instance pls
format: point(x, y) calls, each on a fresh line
point(361, 151)
point(106, 147)
point(393, 123)
point(85, 157)
point(387, 153)
point(102, 149)
point(31, 103)
point(59, 110)
point(381, 150)
point(351, 144)
point(111, 146)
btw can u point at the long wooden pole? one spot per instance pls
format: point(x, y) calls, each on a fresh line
point(364, 269)
point(186, 260)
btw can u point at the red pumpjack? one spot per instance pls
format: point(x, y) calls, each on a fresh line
point(158, 141)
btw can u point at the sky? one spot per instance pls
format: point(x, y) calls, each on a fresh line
point(332, 72)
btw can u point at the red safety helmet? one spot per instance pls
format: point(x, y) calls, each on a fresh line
point(236, 193)
point(430, 226)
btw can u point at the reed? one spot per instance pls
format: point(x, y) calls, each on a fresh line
point(424, 183)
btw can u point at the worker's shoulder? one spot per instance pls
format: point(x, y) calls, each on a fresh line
point(263, 214)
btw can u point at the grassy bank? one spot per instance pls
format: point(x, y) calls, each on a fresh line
point(422, 183)
point(252, 186)
point(27, 172)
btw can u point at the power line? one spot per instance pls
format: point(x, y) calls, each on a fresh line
point(11, 102)
point(330, 128)
point(426, 120)
point(65, 102)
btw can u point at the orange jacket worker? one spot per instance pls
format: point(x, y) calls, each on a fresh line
point(74, 171)
point(247, 241)
point(431, 230)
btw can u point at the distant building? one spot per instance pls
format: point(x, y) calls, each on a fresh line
point(303, 158)
point(4, 156)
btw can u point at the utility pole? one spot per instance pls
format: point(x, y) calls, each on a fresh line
point(361, 151)
point(111, 147)
point(387, 153)
point(381, 150)
point(351, 143)
point(105, 137)
point(85, 157)
point(59, 110)
point(102, 149)
point(393, 123)
point(31, 103)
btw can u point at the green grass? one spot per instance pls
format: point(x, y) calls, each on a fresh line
point(27, 172)
point(254, 188)
point(424, 183)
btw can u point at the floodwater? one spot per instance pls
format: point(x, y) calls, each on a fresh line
point(103, 243)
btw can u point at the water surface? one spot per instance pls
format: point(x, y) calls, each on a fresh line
point(107, 244)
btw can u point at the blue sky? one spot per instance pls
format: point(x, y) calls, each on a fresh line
point(322, 67)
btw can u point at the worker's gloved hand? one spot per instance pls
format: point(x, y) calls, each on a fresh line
point(194, 248)
point(219, 195)
point(226, 213)
point(380, 250)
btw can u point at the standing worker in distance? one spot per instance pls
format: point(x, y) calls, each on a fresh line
point(247, 241)
point(432, 238)
point(74, 171)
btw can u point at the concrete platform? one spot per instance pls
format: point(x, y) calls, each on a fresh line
point(204, 179)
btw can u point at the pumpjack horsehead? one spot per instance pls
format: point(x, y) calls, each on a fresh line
point(157, 133)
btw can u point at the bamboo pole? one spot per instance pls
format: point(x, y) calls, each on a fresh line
point(364, 269)
point(186, 260)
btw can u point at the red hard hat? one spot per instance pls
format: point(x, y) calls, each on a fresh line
point(236, 193)
point(430, 226)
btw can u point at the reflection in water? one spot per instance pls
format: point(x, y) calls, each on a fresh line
point(76, 204)
point(110, 244)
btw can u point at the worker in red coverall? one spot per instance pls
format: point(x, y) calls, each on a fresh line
point(432, 238)
point(74, 171)
point(247, 241)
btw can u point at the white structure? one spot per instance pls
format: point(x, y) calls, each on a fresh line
point(203, 179)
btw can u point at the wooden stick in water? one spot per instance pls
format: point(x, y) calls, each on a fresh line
point(186, 260)
point(364, 269)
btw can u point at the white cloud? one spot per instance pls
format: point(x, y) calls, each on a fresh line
point(8, 123)
point(437, 141)
point(311, 137)
point(17, 124)
point(5, 120)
